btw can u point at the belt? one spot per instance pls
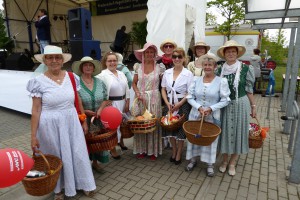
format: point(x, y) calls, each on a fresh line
point(116, 98)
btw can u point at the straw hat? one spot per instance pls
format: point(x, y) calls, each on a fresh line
point(167, 41)
point(53, 50)
point(96, 63)
point(209, 55)
point(139, 53)
point(201, 44)
point(231, 43)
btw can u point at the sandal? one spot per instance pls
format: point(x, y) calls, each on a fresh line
point(210, 171)
point(231, 170)
point(59, 196)
point(89, 193)
point(98, 169)
point(141, 156)
point(223, 167)
point(190, 166)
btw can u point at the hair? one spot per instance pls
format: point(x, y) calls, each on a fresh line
point(104, 59)
point(237, 49)
point(181, 51)
point(209, 59)
point(123, 28)
point(256, 51)
point(43, 11)
point(81, 66)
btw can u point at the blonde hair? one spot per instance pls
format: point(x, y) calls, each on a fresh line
point(104, 59)
point(181, 51)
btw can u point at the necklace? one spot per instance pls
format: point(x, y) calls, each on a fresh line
point(55, 78)
point(87, 82)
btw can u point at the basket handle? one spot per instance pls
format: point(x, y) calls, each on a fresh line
point(135, 102)
point(202, 118)
point(257, 121)
point(45, 159)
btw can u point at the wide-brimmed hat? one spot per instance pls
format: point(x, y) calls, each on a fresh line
point(50, 50)
point(96, 63)
point(231, 43)
point(139, 53)
point(201, 44)
point(167, 41)
point(209, 55)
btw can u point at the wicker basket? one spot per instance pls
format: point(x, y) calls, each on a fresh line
point(43, 185)
point(99, 141)
point(141, 126)
point(200, 132)
point(255, 139)
point(175, 126)
point(125, 130)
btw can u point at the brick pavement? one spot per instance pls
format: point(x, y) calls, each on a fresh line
point(261, 174)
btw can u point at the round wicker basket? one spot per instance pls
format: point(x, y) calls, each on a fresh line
point(175, 126)
point(198, 135)
point(125, 131)
point(255, 139)
point(43, 185)
point(99, 141)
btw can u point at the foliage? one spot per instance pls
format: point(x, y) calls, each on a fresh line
point(5, 42)
point(211, 19)
point(234, 13)
point(138, 32)
point(275, 46)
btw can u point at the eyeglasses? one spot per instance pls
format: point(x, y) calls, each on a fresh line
point(177, 56)
point(110, 61)
point(53, 57)
point(170, 46)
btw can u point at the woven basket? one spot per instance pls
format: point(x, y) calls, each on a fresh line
point(202, 135)
point(43, 185)
point(141, 126)
point(99, 141)
point(255, 139)
point(175, 126)
point(125, 130)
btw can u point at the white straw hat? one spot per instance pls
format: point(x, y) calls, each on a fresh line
point(53, 50)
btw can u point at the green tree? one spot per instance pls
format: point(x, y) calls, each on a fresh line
point(211, 19)
point(234, 13)
point(275, 46)
point(138, 32)
point(5, 42)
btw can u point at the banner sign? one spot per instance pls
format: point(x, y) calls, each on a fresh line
point(107, 7)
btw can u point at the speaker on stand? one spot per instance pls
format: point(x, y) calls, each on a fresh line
point(19, 61)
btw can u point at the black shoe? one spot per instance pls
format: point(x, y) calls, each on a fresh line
point(124, 148)
point(177, 162)
point(172, 159)
point(115, 157)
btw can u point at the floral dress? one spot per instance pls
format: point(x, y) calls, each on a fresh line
point(148, 85)
point(91, 100)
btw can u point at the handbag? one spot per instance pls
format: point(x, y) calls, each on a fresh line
point(82, 116)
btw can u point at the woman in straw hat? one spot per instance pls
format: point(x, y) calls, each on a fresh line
point(55, 127)
point(236, 116)
point(175, 84)
point(167, 47)
point(200, 48)
point(207, 95)
point(93, 95)
point(145, 85)
point(117, 90)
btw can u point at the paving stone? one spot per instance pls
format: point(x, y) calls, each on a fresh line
point(262, 195)
point(242, 191)
point(232, 193)
point(126, 193)
point(159, 194)
point(272, 194)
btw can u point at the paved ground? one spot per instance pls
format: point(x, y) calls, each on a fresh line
point(261, 174)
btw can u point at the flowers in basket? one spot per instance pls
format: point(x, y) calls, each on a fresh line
point(256, 131)
point(170, 119)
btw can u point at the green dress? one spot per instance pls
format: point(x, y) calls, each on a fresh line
point(91, 100)
point(235, 117)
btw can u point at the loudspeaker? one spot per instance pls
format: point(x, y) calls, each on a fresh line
point(19, 61)
point(81, 48)
point(80, 24)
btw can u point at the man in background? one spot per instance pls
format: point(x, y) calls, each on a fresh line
point(42, 25)
point(120, 40)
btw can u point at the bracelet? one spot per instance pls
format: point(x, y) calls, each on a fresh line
point(253, 105)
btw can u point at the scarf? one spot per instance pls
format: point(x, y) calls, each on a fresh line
point(231, 69)
point(166, 60)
